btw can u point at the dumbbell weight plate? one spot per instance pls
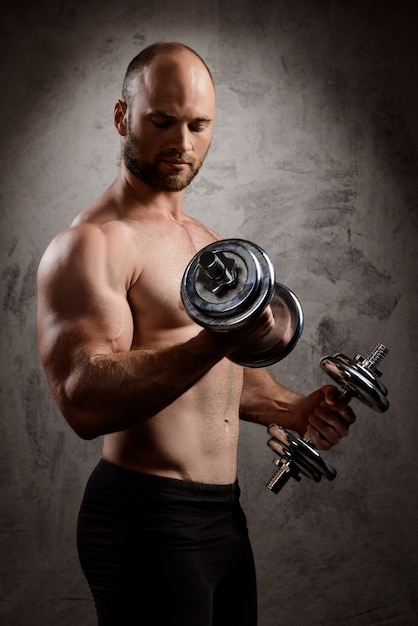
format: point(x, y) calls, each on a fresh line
point(356, 380)
point(233, 307)
point(280, 341)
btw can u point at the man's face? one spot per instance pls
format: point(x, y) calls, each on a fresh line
point(170, 123)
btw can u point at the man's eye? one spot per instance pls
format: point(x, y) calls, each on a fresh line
point(165, 124)
point(198, 128)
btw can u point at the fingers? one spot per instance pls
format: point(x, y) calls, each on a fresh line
point(330, 420)
point(255, 329)
point(262, 325)
point(251, 332)
point(279, 441)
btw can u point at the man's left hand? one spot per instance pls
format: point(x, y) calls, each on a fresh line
point(319, 417)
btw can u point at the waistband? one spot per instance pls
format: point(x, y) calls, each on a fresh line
point(115, 473)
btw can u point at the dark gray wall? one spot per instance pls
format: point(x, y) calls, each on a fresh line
point(314, 158)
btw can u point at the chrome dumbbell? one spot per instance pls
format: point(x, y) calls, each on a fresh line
point(231, 281)
point(358, 378)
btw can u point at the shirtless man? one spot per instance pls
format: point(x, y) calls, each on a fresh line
point(161, 535)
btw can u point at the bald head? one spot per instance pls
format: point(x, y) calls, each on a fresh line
point(162, 53)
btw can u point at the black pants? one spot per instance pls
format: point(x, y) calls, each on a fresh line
point(158, 551)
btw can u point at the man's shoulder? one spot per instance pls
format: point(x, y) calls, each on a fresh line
point(98, 214)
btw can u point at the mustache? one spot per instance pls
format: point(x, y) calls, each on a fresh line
point(176, 155)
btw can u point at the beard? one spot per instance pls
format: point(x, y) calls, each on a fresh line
point(147, 170)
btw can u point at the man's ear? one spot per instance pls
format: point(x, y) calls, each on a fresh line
point(120, 118)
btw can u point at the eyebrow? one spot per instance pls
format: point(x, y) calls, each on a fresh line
point(160, 113)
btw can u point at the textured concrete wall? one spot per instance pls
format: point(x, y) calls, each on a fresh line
point(314, 158)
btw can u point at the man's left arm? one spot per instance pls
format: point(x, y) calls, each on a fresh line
point(319, 416)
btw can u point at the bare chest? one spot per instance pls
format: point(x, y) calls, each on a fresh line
point(155, 300)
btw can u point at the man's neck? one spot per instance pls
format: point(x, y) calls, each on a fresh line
point(135, 194)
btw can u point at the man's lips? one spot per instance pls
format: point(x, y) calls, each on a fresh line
point(176, 163)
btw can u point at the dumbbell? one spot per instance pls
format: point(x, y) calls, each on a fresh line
point(230, 282)
point(359, 378)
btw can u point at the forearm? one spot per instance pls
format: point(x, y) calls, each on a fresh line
point(108, 393)
point(264, 401)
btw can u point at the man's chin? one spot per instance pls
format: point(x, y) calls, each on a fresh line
point(162, 180)
point(176, 181)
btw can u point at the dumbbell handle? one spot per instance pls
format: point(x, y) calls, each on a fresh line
point(359, 379)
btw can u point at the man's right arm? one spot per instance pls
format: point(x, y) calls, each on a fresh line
point(85, 331)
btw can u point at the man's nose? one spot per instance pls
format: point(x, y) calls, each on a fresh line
point(181, 139)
